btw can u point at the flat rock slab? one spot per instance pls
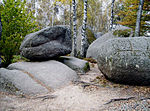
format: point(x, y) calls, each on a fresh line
point(51, 74)
point(81, 66)
point(18, 81)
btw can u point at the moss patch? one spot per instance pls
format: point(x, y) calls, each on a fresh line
point(90, 60)
point(122, 33)
point(86, 67)
point(90, 36)
point(18, 58)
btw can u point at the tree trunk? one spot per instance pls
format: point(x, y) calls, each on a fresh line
point(0, 36)
point(138, 20)
point(70, 17)
point(74, 49)
point(112, 15)
point(0, 28)
point(84, 39)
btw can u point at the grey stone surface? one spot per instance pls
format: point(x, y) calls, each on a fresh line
point(93, 49)
point(15, 80)
point(47, 43)
point(51, 73)
point(99, 34)
point(126, 60)
point(81, 66)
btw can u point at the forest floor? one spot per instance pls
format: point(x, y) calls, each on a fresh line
point(92, 93)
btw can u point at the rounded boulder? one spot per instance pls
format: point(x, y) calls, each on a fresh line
point(126, 60)
point(47, 43)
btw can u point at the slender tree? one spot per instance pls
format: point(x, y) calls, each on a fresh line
point(128, 15)
point(138, 20)
point(70, 23)
point(112, 14)
point(74, 28)
point(84, 39)
point(0, 36)
point(0, 27)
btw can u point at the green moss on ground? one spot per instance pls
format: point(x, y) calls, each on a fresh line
point(86, 67)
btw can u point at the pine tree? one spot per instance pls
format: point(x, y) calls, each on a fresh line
point(17, 23)
point(128, 14)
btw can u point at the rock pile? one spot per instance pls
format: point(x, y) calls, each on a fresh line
point(44, 72)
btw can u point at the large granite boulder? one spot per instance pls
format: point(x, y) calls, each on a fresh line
point(38, 77)
point(79, 65)
point(126, 60)
point(93, 49)
point(99, 34)
point(16, 81)
point(90, 38)
point(47, 43)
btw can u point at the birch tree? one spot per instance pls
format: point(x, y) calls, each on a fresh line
point(0, 27)
point(0, 36)
point(74, 28)
point(84, 39)
point(112, 14)
point(138, 20)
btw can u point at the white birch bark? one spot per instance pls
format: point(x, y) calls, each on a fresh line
point(138, 20)
point(70, 16)
point(0, 36)
point(74, 48)
point(112, 15)
point(84, 39)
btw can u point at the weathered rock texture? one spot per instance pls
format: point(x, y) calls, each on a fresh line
point(81, 66)
point(37, 77)
point(47, 43)
point(15, 80)
point(52, 73)
point(126, 60)
point(93, 49)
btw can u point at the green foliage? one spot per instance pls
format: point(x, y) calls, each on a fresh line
point(17, 23)
point(90, 36)
point(90, 60)
point(86, 67)
point(127, 14)
point(18, 58)
point(122, 33)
